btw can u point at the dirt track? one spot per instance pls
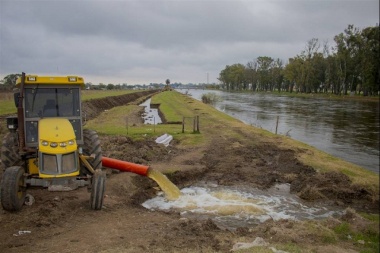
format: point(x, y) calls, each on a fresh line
point(63, 222)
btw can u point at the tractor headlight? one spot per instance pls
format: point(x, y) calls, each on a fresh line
point(63, 144)
point(44, 143)
point(71, 142)
point(53, 144)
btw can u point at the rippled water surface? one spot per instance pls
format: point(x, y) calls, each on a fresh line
point(345, 129)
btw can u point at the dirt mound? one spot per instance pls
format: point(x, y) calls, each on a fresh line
point(140, 152)
point(335, 186)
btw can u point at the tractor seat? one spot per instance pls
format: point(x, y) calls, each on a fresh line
point(50, 110)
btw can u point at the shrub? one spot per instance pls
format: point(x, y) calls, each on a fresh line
point(210, 98)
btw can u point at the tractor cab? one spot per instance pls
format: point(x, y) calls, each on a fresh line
point(47, 97)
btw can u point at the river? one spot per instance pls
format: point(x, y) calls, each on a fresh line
point(346, 129)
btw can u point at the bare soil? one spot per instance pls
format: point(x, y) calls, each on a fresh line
point(63, 221)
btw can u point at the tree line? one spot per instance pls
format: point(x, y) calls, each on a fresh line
point(351, 65)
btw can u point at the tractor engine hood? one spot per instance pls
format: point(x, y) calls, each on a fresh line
point(56, 136)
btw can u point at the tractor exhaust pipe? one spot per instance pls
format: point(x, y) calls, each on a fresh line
point(20, 116)
point(125, 166)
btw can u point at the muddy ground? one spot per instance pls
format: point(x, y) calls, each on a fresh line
point(63, 221)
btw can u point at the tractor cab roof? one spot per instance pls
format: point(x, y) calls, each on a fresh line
point(51, 80)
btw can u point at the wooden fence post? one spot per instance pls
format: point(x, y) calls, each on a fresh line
point(183, 124)
point(126, 123)
point(277, 123)
point(198, 124)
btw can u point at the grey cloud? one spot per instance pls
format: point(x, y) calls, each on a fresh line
point(118, 40)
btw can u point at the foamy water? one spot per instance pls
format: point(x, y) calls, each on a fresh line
point(239, 207)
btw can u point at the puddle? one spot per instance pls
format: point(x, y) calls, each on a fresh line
point(150, 114)
point(232, 207)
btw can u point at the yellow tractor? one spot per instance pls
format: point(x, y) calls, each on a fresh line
point(46, 145)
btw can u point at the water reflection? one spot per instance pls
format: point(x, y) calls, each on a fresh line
point(151, 115)
point(346, 129)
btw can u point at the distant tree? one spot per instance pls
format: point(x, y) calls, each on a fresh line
point(264, 64)
point(233, 77)
point(102, 86)
point(251, 74)
point(353, 65)
point(110, 86)
point(370, 60)
point(277, 74)
point(9, 81)
point(88, 85)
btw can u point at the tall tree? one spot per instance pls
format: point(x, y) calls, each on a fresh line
point(370, 60)
point(277, 74)
point(263, 70)
point(251, 74)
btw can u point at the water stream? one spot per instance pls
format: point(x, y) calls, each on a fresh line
point(150, 115)
point(169, 189)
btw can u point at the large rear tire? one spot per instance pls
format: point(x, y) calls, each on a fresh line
point(91, 146)
point(13, 190)
point(98, 182)
point(9, 152)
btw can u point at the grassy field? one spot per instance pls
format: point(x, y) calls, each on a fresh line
point(7, 104)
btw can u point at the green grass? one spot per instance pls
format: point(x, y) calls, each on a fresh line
point(369, 235)
point(114, 122)
point(93, 94)
point(7, 107)
point(173, 107)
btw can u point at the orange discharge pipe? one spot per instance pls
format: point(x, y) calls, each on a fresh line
point(125, 166)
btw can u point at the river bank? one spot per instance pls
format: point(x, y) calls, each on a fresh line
point(226, 152)
point(347, 129)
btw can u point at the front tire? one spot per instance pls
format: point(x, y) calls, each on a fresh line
point(97, 189)
point(13, 189)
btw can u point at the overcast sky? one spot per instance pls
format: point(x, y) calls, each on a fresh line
point(145, 42)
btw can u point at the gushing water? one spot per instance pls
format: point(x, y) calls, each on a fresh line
point(232, 208)
point(171, 190)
